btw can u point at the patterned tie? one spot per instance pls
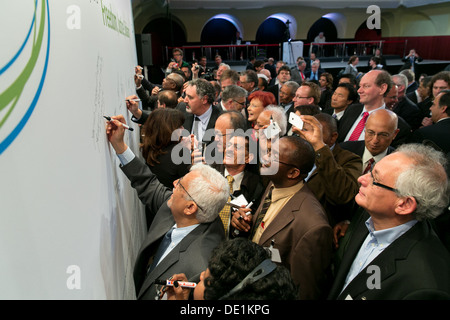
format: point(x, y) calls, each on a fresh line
point(225, 213)
point(259, 220)
point(161, 249)
point(359, 128)
point(369, 165)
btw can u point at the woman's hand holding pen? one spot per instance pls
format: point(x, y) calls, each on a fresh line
point(177, 292)
point(115, 133)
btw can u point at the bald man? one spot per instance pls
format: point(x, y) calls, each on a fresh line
point(381, 129)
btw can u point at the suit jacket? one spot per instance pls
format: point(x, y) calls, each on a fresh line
point(415, 266)
point(334, 182)
point(437, 133)
point(407, 62)
point(303, 236)
point(251, 188)
point(190, 256)
point(409, 111)
point(354, 111)
point(275, 90)
point(411, 88)
point(296, 76)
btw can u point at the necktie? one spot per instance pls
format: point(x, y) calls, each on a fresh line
point(265, 207)
point(226, 211)
point(195, 129)
point(335, 116)
point(359, 128)
point(369, 165)
point(161, 249)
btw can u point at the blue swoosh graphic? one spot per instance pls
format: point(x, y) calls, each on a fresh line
point(21, 48)
point(13, 135)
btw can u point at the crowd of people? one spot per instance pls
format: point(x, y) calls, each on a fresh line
point(279, 182)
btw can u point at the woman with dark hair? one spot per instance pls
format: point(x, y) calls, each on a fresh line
point(326, 88)
point(239, 269)
point(160, 136)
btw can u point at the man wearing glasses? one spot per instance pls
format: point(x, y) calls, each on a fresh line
point(290, 219)
point(186, 218)
point(393, 252)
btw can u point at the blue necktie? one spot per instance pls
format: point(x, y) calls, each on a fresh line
point(162, 248)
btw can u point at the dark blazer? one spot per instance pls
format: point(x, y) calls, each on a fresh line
point(409, 111)
point(407, 62)
point(412, 96)
point(354, 111)
point(358, 147)
point(190, 256)
point(411, 88)
point(296, 76)
point(275, 90)
point(251, 188)
point(436, 133)
point(414, 267)
point(303, 236)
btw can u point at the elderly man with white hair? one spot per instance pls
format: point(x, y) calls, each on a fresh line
point(186, 227)
point(393, 252)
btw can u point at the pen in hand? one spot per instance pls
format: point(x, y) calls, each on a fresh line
point(123, 124)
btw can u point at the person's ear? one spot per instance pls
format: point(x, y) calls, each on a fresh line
point(406, 205)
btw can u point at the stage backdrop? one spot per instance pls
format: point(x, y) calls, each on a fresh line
point(71, 225)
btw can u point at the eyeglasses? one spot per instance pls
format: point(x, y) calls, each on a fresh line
point(179, 184)
point(380, 184)
point(382, 135)
point(297, 97)
point(241, 103)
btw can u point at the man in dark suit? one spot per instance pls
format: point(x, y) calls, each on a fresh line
point(187, 217)
point(201, 114)
point(405, 108)
point(393, 252)
point(333, 179)
point(374, 86)
point(438, 132)
point(290, 218)
point(411, 60)
point(381, 129)
point(298, 72)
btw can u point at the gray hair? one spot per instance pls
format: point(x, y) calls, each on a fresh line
point(426, 180)
point(204, 88)
point(278, 116)
point(233, 91)
point(210, 191)
point(292, 85)
point(401, 78)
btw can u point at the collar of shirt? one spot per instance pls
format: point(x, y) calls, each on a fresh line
point(204, 118)
point(280, 193)
point(223, 107)
point(386, 236)
point(237, 179)
point(178, 234)
point(367, 156)
point(339, 114)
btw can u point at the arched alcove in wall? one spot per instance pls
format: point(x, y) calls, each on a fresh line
point(327, 26)
point(221, 29)
point(277, 28)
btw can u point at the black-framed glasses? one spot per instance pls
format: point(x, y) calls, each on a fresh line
point(380, 184)
point(241, 103)
point(179, 184)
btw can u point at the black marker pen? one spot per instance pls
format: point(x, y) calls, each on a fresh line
point(123, 124)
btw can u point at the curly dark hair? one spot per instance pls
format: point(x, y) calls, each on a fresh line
point(233, 260)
